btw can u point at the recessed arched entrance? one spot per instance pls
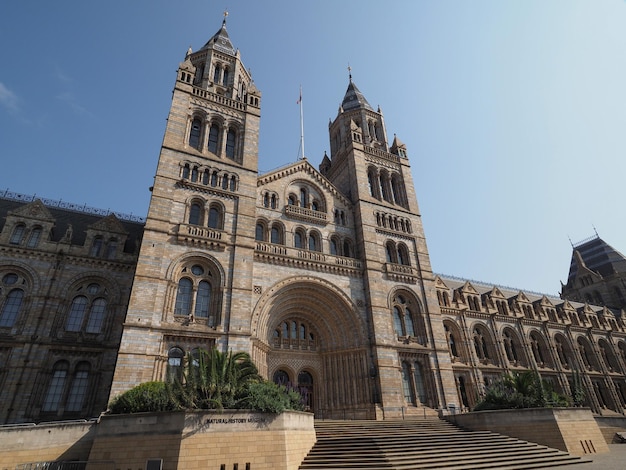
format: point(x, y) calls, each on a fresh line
point(311, 336)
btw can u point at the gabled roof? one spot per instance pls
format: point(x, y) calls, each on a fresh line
point(354, 99)
point(303, 166)
point(598, 256)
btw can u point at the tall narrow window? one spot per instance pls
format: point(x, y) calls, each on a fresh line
point(407, 389)
point(174, 364)
point(226, 76)
point(215, 218)
point(397, 322)
point(96, 316)
point(56, 387)
point(216, 73)
point(275, 235)
point(77, 313)
point(297, 239)
point(183, 297)
point(112, 248)
point(195, 214)
point(78, 388)
point(333, 246)
point(259, 233)
point(33, 239)
point(303, 198)
point(203, 299)
point(214, 132)
point(11, 307)
point(230, 144)
point(96, 247)
point(17, 235)
point(419, 382)
point(194, 133)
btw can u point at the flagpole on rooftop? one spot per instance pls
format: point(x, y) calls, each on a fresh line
point(301, 124)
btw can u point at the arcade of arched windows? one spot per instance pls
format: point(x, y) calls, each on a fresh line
point(305, 197)
point(205, 213)
point(303, 239)
point(416, 383)
point(393, 222)
point(207, 134)
point(26, 235)
point(269, 199)
point(89, 310)
point(408, 321)
point(221, 73)
point(67, 387)
point(270, 232)
point(340, 217)
point(294, 333)
point(194, 297)
point(386, 186)
point(207, 176)
point(455, 343)
point(397, 253)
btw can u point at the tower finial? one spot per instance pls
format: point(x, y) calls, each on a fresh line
point(349, 72)
point(225, 15)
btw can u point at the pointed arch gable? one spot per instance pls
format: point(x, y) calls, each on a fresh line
point(315, 300)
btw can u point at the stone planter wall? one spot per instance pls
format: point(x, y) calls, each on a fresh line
point(573, 430)
point(195, 440)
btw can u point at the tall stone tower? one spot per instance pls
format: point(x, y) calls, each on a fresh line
point(200, 225)
point(411, 350)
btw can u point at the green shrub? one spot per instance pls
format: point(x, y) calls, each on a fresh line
point(149, 396)
point(270, 398)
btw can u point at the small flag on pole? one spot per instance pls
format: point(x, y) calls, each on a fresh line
point(300, 98)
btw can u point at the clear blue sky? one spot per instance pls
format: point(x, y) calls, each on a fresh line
point(513, 112)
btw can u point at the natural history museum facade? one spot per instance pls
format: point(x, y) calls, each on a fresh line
point(321, 274)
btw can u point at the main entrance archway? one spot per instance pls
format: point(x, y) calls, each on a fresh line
point(310, 334)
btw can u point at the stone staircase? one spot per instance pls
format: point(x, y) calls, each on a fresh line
point(427, 443)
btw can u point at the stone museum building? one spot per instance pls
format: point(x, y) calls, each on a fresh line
point(321, 273)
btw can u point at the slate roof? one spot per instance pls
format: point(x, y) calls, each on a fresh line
point(354, 99)
point(599, 257)
point(221, 42)
point(79, 220)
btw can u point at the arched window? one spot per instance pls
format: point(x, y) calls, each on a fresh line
point(215, 217)
point(225, 76)
point(195, 214)
point(88, 310)
point(112, 248)
point(195, 294)
point(347, 249)
point(536, 347)
point(230, 143)
point(407, 388)
point(78, 388)
point(390, 251)
point(480, 344)
point(454, 352)
point(510, 348)
point(303, 198)
point(281, 377)
point(403, 255)
point(56, 387)
point(293, 333)
point(34, 237)
point(18, 234)
point(96, 246)
point(186, 171)
point(273, 202)
point(175, 358)
point(333, 246)
point(276, 235)
point(397, 322)
point(194, 133)
point(183, 297)
point(12, 303)
point(96, 316)
point(214, 133)
point(292, 201)
point(418, 377)
point(298, 239)
point(216, 73)
point(203, 300)
point(214, 179)
point(259, 234)
point(314, 242)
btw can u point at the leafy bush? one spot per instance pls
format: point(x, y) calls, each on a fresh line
point(149, 396)
point(520, 390)
point(271, 398)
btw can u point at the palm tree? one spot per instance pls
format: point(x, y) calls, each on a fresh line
point(213, 380)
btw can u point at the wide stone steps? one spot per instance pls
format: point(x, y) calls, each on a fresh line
point(427, 443)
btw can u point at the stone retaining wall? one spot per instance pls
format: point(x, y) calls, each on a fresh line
point(573, 430)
